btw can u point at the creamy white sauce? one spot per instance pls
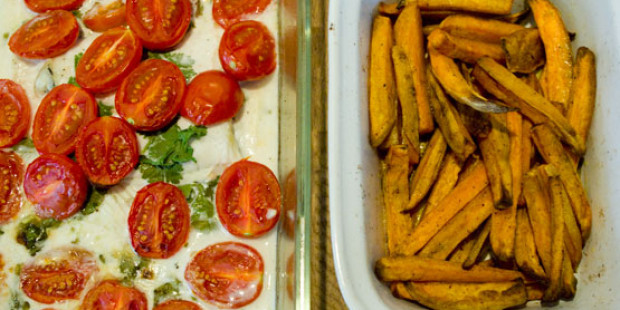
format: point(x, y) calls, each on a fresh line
point(253, 133)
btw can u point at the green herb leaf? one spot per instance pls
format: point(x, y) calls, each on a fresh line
point(77, 13)
point(1, 232)
point(94, 201)
point(130, 265)
point(155, 173)
point(77, 57)
point(33, 232)
point(104, 110)
point(25, 142)
point(199, 9)
point(5, 35)
point(102, 258)
point(17, 303)
point(184, 62)
point(73, 82)
point(169, 290)
point(200, 199)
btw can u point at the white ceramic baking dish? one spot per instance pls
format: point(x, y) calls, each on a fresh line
point(354, 176)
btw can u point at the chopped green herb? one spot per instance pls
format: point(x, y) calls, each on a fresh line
point(25, 142)
point(73, 82)
point(5, 35)
point(77, 57)
point(104, 110)
point(200, 198)
point(77, 13)
point(199, 9)
point(182, 61)
point(94, 201)
point(18, 269)
point(76, 240)
point(165, 153)
point(130, 265)
point(17, 303)
point(1, 232)
point(33, 232)
point(166, 291)
point(102, 258)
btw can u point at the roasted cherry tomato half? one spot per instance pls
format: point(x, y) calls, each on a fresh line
point(11, 177)
point(212, 97)
point(62, 114)
point(103, 17)
point(178, 305)
point(248, 199)
point(158, 221)
point(228, 274)
point(160, 24)
point(151, 96)
point(248, 51)
point(58, 275)
point(56, 185)
point(111, 295)
point(46, 35)
point(41, 6)
point(14, 113)
point(108, 60)
point(107, 150)
point(228, 12)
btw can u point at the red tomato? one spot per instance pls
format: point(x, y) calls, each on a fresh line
point(228, 274)
point(103, 17)
point(248, 199)
point(41, 6)
point(14, 113)
point(108, 60)
point(151, 96)
point(158, 221)
point(107, 150)
point(58, 275)
point(12, 174)
point(212, 97)
point(62, 114)
point(46, 35)
point(228, 12)
point(178, 305)
point(56, 185)
point(111, 295)
point(248, 51)
point(160, 24)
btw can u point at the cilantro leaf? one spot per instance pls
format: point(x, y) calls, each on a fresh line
point(199, 9)
point(169, 290)
point(200, 199)
point(77, 57)
point(94, 201)
point(77, 14)
point(17, 303)
point(182, 61)
point(33, 232)
point(73, 82)
point(104, 110)
point(154, 173)
point(131, 266)
point(25, 142)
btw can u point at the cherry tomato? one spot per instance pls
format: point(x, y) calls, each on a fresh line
point(228, 274)
point(56, 185)
point(108, 60)
point(228, 12)
point(160, 24)
point(107, 150)
point(159, 221)
point(41, 6)
point(248, 199)
point(177, 305)
point(212, 97)
point(11, 177)
point(248, 51)
point(103, 17)
point(111, 295)
point(14, 113)
point(57, 275)
point(46, 35)
point(151, 96)
point(62, 114)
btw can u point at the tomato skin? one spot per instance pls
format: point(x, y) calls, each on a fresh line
point(46, 278)
point(160, 24)
point(12, 172)
point(177, 305)
point(234, 272)
point(56, 185)
point(63, 112)
point(228, 12)
point(248, 199)
point(248, 51)
point(159, 221)
point(41, 6)
point(101, 18)
point(212, 97)
point(14, 113)
point(107, 150)
point(151, 95)
point(108, 60)
point(47, 35)
point(111, 295)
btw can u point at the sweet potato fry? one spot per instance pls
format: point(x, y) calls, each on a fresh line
point(552, 151)
point(559, 67)
point(460, 254)
point(466, 50)
point(460, 227)
point(584, 93)
point(525, 248)
point(534, 290)
point(539, 210)
point(572, 235)
point(569, 282)
point(408, 104)
point(557, 236)
point(499, 7)
point(408, 34)
point(390, 9)
point(428, 29)
point(524, 51)
point(469, 296)
point(495, 149)
point(399, 290)
point(382, 92)
point(395, 197)
point(394, 137)
point(478, 244)
point(527, 153)
point(420, 269)
point(476, 28)
point(532, 81)
point(446, 180)
point(426, 173)
point(515, 17)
